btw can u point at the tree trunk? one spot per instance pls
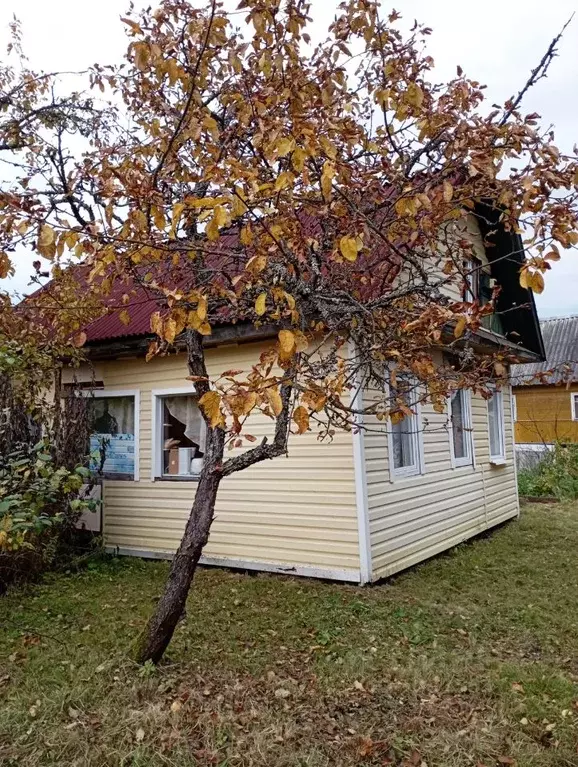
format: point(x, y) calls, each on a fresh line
point(159, 630)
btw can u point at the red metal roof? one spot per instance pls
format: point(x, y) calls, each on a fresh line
point(109, 326)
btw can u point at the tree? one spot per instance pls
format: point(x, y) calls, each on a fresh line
point(322, 190)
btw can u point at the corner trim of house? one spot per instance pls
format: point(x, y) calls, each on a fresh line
point(307, 571)
point(514, 458)
point(361, 497)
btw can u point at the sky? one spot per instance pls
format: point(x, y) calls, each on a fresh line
point(496, 42)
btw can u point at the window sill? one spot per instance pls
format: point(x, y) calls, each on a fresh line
point(465, 464)
point(498, 461)
point(179, 478)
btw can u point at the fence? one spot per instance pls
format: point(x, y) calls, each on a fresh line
point(529, 455)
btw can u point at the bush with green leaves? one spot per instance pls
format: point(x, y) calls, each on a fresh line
point(40, 503)
point(556, 475)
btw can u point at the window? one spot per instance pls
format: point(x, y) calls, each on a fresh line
point(496, 427)
point(404, 433)
point(472, 272)
point(114, 429)
point(461, 428)
point(574, 405)
point(178, 435)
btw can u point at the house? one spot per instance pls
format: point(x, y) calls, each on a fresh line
point(358, 508)
point(546, 393)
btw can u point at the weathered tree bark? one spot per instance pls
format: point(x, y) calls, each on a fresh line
point(160, 628)
point(158, 632)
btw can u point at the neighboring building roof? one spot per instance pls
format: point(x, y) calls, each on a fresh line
point(560, 336)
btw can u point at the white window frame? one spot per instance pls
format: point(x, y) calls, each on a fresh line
point(122, 393)
point(157, 396)
point(418, 468)
point(500, 458)
point(514, 405)
point(467, 460)
point(574, 405)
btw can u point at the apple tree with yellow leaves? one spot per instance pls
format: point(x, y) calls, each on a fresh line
point(249, 176)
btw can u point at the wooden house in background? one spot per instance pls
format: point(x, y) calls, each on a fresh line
point(546, 393)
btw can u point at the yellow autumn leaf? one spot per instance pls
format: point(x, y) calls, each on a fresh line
point(159, 218)
point(328, 147)
point(202, 307)
point(246, 236)
point(141, 55)
point(156, 323)
point(460, 327)
point(169, 330)
point(301, 340)
point(283, 180)
point(124, 317)
point(298, 159)
point(349, 247)
point(536, 282)
point(6, 267)
point(261, 304)
point(524, 278)
point(46, 237)
point(286, 342)
point(210, 404)
point(221, 216)
point(249, 402)
point(406, 206)
point(256, 264)
point(414, 95)
point(284, 145)
point(327, 176)
point(274, 399)
point(448, 191)
point(301, 418)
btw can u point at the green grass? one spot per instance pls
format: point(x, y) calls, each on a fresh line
point(470, 659)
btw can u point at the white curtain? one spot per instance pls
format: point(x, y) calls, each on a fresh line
point(113, 415)
point(186, 410)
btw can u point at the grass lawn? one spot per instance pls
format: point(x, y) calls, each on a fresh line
point(470, 659)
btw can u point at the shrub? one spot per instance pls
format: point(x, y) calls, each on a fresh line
point(556, 475)
point(39, 506)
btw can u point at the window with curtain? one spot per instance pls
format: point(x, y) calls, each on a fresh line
point(461, 427)
point(113, 431)
point(404, 429)
point(496, 426)
point(181, 437)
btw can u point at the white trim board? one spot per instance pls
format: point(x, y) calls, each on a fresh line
point(307, 571)
point(156, 418)
point(123, 393)
point(469, 460)
point(360, 474)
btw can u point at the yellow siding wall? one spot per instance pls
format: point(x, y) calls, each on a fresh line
point(414, 518)
point(468, 229)
point(295, 511)
point(545, 415)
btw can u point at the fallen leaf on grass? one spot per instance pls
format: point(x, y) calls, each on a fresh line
point(282, 693)
point(139, 735)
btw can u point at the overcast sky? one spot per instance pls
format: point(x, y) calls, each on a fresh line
point(496, 42)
